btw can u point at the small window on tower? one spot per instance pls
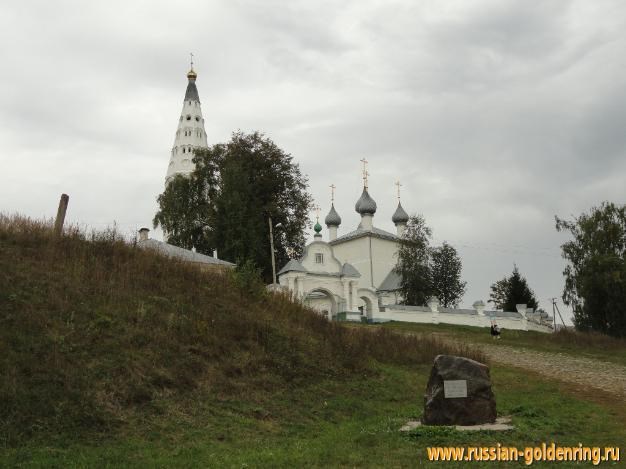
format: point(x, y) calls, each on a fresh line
point(197, 119)
point(188, 118)
point(319, 258)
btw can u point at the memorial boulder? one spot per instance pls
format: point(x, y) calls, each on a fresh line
point(459, 393)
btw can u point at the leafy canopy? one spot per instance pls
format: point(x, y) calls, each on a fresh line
point(426, 271)
point(445, 266)
point(595, 276)
point(227, 201)
point(511, 291)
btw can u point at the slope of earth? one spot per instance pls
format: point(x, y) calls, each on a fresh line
point(111, 356)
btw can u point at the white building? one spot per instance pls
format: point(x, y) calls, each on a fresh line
point(351, 277)
point(190, 133)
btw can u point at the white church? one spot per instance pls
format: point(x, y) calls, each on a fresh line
point(349, 277)
point(352, 278)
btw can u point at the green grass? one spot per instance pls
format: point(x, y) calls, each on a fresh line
point(349, 423)
point(587, 345)
point(111, 356)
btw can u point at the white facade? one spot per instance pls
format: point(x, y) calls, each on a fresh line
point(324, 283)
point(342, 278)
point(351, 277)
point(190, 133)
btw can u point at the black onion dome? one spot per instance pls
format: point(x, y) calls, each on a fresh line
point(365, 205)
point(333, 218)
point(400, 216)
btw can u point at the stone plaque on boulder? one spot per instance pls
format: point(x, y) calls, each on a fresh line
point(444, 404)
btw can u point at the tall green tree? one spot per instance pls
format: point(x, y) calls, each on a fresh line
point(445, 271)
point(511, 291)
point(413, 262)
point(595, 276)
point(242, 184)
point(185, 214)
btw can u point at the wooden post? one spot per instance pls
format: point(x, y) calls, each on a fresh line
point(58, 223)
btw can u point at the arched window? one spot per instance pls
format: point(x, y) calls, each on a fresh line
point(188, 117)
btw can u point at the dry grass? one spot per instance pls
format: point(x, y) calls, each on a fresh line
point(93, 329)
point(587, 339)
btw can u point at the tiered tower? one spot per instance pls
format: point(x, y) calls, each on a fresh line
point(190, 134)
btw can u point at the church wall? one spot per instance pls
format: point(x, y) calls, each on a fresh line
point(356, 252)
point(323, 305)
point(329, 264)
point(327, 285)
point(384, 257)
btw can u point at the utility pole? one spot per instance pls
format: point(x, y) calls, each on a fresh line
point(555, 309)
point(269, 220)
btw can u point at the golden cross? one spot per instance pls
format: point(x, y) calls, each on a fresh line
point(332, 193)
point(397, 183)
point(191, 54)
point(317, 212)
point(365, 173)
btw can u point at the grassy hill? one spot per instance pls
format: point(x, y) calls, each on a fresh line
point(95, 331)
point(111, 356)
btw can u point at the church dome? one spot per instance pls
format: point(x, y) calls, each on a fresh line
point(365, 205)
point(333, 218)
point(400, 216)
point(317, 228)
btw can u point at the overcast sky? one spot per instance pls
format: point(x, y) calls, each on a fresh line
point(494, 115)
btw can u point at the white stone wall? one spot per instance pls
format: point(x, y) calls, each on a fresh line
point(462, 319)
point(190, 135)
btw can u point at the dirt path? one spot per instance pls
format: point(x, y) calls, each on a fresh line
point(586, 372)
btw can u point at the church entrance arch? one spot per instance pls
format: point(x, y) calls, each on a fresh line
point(367, 303)
point(365, 307)
point(323, 301)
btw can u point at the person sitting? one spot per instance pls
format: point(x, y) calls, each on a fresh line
point(495, 331)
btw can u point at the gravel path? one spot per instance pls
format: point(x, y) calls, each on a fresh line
point(587, 372)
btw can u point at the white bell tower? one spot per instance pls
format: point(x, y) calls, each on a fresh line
point(190, 134)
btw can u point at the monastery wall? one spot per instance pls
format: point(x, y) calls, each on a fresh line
point(462, 318)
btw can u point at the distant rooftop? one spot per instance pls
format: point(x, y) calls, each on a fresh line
point(359, 233)
point(181, 253)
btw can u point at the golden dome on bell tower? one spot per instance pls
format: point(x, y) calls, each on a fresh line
point(191, 74)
